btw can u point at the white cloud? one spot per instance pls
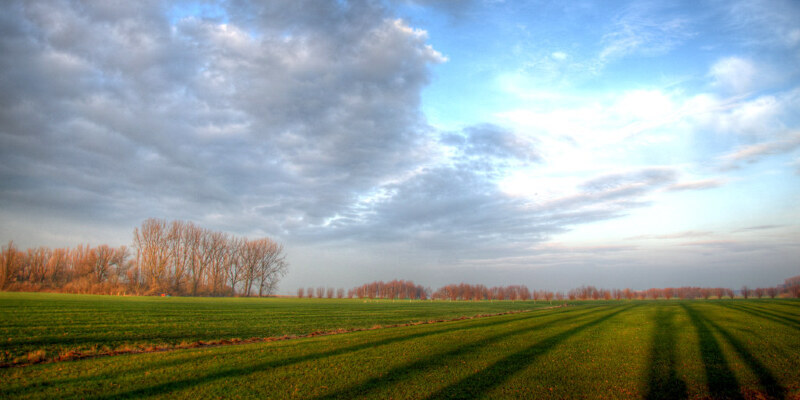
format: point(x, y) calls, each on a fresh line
point(764, 116)
point(642, 29)
point(736, 75)
point(587, 134)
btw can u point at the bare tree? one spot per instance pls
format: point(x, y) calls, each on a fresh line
point(181, 253)
point(195, 238)
point(58, 271)
point(11, 264)
point(152, 253)
point(271, 267)
point(628, 293)
point(745, 292)
point(216, 254)
point(250, 255)
point(234, 268)
point(176, 257)
point(772, 291)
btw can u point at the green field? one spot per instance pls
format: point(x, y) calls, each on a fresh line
point(57, 323)
point(646, 349)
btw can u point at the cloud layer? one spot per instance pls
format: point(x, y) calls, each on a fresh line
point(285, 112)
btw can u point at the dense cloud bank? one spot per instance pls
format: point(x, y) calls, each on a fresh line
point(284, 113)
point(298, 119)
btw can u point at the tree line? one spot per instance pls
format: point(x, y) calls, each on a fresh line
point(176, 258)
point(400, 289)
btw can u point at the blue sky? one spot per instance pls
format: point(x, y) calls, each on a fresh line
point(555, 144)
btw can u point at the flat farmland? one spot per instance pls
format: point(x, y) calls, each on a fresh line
point(739, 349)
point(59, 323)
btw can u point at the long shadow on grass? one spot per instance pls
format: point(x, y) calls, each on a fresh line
point(168, 387)
point(764, 315)
point(794, 303)
point(766, 379)
point(483, 381)
point(182, 360)
point(436, 360)
point(778, 313)
point(663, 380)
point(721, 382)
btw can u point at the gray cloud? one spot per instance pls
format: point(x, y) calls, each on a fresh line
point(282, 116)
point(755, 152)
point(299, 120)
point(678, 235)
point(492, 141)
point(454, 9)
point(459, 209)
point(696, 185)
point(760, 228)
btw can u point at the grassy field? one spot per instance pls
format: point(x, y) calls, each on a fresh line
point(665, 349)
point(56, 323)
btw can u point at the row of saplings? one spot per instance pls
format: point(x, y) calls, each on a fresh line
point(400, 289)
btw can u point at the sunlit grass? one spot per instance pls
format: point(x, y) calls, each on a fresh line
point(58, 323)
point(664, 349)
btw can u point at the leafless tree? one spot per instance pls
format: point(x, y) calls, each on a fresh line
point(772, 291)
point(152, 252)
point(11, 264)
point(197, 239)
point(216, 254)
point(745, 292)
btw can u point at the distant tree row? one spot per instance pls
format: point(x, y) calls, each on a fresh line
point(322, 292)
point(396, 289)
point(686, 292)
point(465, 291)
point(175, 257)
point(399, 289)
point(84, 269)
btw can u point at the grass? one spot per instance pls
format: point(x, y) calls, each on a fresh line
point(651, 349)
point(61, 323)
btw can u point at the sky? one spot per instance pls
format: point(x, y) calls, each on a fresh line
point(547, 143)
